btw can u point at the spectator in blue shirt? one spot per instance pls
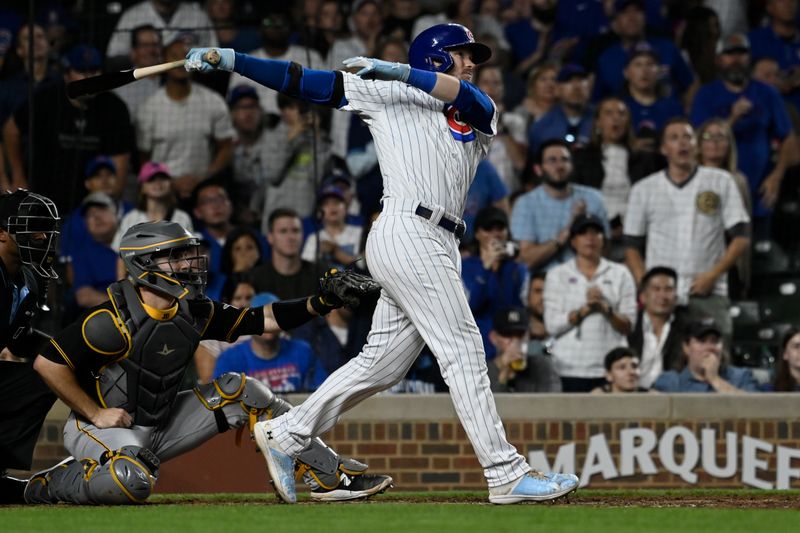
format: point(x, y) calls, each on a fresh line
point(283, 365)
point(650, 109)
point(629, 24)
point(94, 261)
point(571, 119)
point(101, 176)
point(541, 219)
point(706, 369)
point(487, 189)
point(758, 118)
point(493, 280)
point(212, 211)
point(780, 40)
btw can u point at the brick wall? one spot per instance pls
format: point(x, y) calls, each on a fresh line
point(430, 451)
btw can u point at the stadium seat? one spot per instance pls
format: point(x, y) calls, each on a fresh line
point(775, 285)
point(745, 313)
point(769, 259)
point(780, 309)
point(757, 346)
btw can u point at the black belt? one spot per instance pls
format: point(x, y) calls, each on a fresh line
point(458, 228)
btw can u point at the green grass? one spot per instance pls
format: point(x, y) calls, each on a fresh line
point(589, 510)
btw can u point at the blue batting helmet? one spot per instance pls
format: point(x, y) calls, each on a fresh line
point(432, 45)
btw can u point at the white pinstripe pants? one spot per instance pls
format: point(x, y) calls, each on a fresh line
point(423, 301)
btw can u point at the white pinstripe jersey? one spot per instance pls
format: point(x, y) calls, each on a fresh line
point(424, 154)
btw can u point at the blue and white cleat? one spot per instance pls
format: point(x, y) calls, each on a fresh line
point(535, 487)
point(279, 463)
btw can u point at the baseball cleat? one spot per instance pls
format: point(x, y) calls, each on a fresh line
point(353, 488)
point(536, 486)
point(279, 463)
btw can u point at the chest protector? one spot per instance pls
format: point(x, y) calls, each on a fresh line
point(146, 382)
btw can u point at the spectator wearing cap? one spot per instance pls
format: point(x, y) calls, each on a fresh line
point(706, 367)
point(335, 243)
point(101, 176)
point(94, 262)
point(649, 104)
point(660, 324)
point(541, 218)
point(779, 39)
point(589, 307)
point(622, 372)
point(683, 216)
point(282, 364)
point(146, 48)
point(513, 369)
point(185, 126)
point(260, 152)
point(492, 279)
point(67, 134)
point(308, 150)
point(212, 212)
point(571, 119)
point(156, 201)
point(275, 44)
point(759, 120)
point(366, 26)
point(628, 23)
point(174, 19)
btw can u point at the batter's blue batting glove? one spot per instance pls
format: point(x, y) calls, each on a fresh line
point(208, 59)
point(376, 69)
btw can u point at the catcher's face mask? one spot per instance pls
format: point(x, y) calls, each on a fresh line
point(34, 228)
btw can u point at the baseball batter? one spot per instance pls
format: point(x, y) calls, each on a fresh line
point(431, 127)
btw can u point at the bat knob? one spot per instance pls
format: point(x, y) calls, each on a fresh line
point(212, 57)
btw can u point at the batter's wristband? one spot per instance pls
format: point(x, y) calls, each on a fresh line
point(422, 79)
point(290, 314)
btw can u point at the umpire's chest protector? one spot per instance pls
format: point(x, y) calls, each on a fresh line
point(146, 382)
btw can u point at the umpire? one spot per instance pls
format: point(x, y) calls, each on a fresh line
point(28, 237)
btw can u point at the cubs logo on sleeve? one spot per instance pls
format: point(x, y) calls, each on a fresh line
point(461, 131)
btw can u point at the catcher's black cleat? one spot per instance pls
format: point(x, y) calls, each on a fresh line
point(353, 488)
point(12, 490)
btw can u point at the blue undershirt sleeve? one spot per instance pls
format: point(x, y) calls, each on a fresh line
point(475, 108)
point(316, 86)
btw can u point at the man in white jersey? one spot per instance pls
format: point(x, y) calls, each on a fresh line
point(431, 128)
point(684, 214)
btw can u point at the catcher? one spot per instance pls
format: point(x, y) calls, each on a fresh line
point(120, 366)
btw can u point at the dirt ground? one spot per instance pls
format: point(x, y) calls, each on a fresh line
point(585, 499)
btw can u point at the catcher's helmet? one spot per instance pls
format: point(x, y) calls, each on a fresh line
point(165, 257)
point(32, 221)
point(433, 44)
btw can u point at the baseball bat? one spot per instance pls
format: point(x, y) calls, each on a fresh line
point(112, 80)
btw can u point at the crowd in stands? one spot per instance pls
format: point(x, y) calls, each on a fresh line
point(636, 202)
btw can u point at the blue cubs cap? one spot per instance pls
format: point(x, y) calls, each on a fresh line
point(263, 298)
point(570, 71)
point(620, 5)
point(331, 191)
point(242, 91)
point(84, 57)
point(101, 161)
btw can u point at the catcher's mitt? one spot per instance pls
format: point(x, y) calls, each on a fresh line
point(346, 288)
